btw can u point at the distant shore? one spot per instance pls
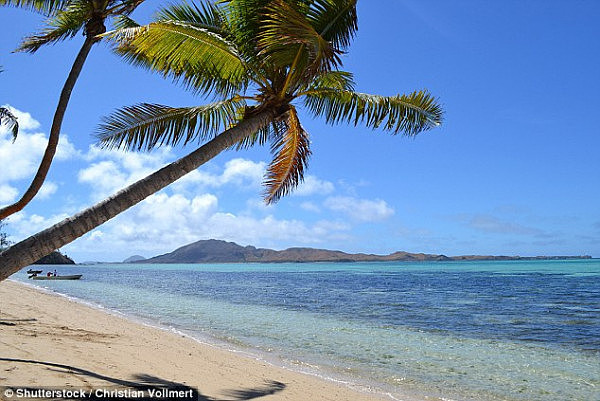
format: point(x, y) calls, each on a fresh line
point(217, 251)
point(50, 341)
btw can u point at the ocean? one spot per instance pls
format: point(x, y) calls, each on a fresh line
point(485, 331)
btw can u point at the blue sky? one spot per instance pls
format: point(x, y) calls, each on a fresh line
point(514, 169)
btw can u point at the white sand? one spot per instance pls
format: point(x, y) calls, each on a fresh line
point(48, 340)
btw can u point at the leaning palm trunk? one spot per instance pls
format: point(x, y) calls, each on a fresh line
point(33, 248)
point(61, 108)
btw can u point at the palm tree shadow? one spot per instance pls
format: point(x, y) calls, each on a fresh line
point(270, 387)
point(140, 382)
point(143, 381)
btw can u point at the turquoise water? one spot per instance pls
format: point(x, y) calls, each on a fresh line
point(459, 330)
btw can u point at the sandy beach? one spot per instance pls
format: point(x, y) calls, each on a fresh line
point(49, 341)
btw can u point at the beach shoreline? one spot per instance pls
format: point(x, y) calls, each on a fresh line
point(49, 340)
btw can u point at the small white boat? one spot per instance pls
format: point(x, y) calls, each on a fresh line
point(70, 277)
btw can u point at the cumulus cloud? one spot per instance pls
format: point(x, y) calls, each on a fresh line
point(314, 186)
point(104, 177)
point(26, 122)
point(7, 193)
point(258, 204)
point(310, 207)
point(243, 173)
point(363, 210)
point(66, 150)
point(112, 170)
point(21, 158)
point(47, 189)
point(23, 225)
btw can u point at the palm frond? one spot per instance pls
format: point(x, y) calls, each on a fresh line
point(409, 114)
point(122, 22)
point(292, 151)
point(244, 19)
point(10, 120)
point(335, 20)
point(204, 61)
point(46, 7)
point(204, 15)
point(289, 40)
point(63, 25)
point(124, 7)
point(146, 126)
point(329, 81)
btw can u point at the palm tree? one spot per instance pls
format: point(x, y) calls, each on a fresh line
point(260, 59)
point(67, 17)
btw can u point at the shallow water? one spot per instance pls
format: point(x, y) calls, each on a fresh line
point(517, 330)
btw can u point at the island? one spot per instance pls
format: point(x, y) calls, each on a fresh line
point(217, 251)
point(55, 258)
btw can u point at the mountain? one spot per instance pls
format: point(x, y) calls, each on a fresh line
point(55, 258)
point(134, 258)
point(215, 251)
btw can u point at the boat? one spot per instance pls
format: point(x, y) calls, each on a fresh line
point(31, 271)
point(69, 277)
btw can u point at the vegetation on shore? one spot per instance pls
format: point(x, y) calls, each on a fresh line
point(55, 258)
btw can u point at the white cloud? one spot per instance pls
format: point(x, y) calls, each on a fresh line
point(251, 230)
point(240, 172)
point(104, 177)
point(195, 179)
point(7, 194)
point(243, 172)
point(310, 207)
point(258, 204)
point(22, 225)
point(364, 210)
point(314, 186)
point(66, 150)
point(21, 158)
point(26, 122)
point(98, 234)
point(112, 170)
point(47, 189)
